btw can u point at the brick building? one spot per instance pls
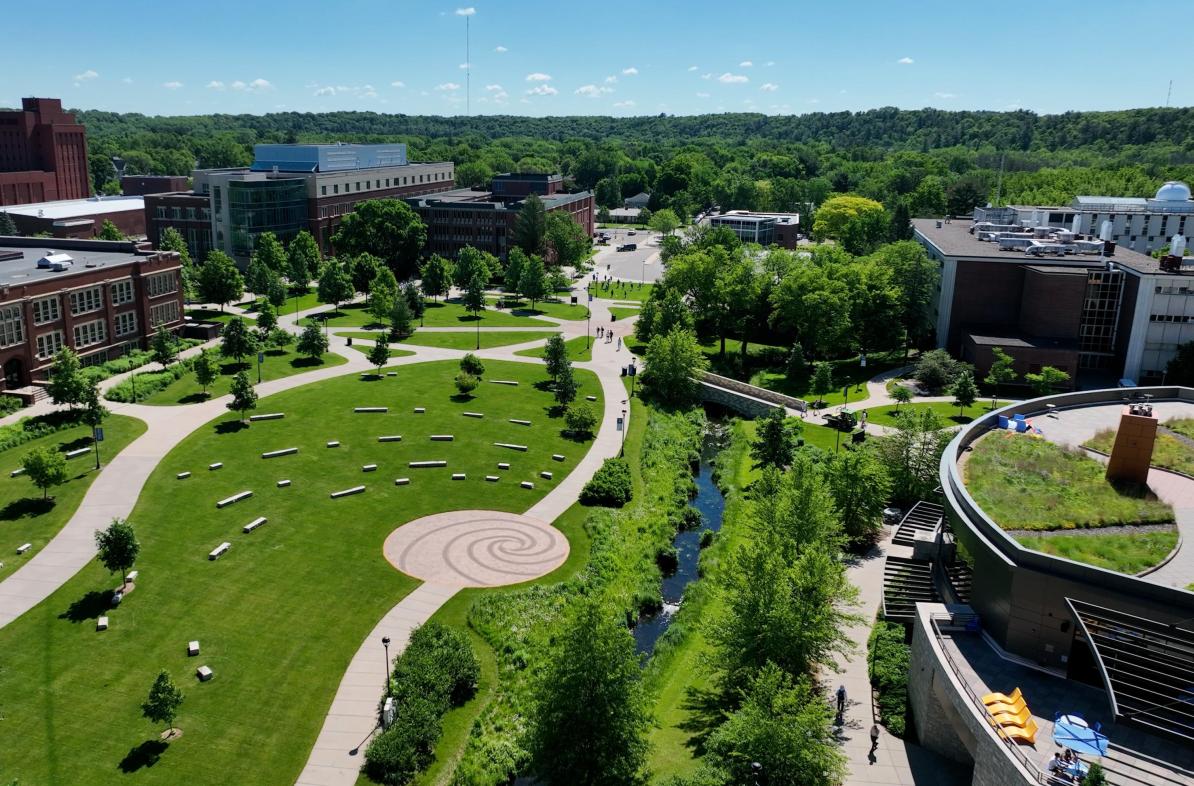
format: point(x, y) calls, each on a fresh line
point(140, 185)
point(100, 298)
point(80, 218)
point(43, 154)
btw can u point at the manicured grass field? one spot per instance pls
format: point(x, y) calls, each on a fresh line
point(394, 351)
point(278, 364)
point(949, 414)
point(24, 517)
point(621, 290)
point(215, 315)
point(293, 303)
point(1124, 553)
point(438, 314)
point(464, 340)
point(1027, 483)
point(577, 351)
point(623, 312)
point(281, 614)
point(846, 372)
point(1169, 452)
point(560, 309)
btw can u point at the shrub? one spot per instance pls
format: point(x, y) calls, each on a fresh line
point(580, 419)
point(611, 485)
point(465, 383)
point(471, 364)
point(29, 429)
point(147, 384)
point(9, 405)
point(888, 660)
point(401, 751)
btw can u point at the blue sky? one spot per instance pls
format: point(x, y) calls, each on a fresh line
point(621, 58)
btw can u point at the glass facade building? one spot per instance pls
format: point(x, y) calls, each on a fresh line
point(256, 206)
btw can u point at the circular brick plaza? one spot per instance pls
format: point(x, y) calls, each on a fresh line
point(476, 548)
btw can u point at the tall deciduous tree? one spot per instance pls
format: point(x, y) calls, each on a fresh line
point(532, 283)
point(379, 353)
point(164, 346)
point(912, 454)
point(437, 276)
point(219, 280)
point(268, 250)
point(334, 284)
point(401, 318)
point(822, 380)
point(118, 548)
point(1002, 372)
point(206, 370)
point(237, 342)
point(66, 378)
point(565, 386)
point(858, 223)
point(303, 260)
point(965, 392)
point(161, 706)
point(515, 264)
point(1047, 381)
point(591, 715)
point(665, 221)
point(861, 486)
point(109, 231)
point(46, 467)
point(569, 243)
point(386, 228)
point(530, 226)
point(383, 292)
point(244, 397)
point(362, 269)
point(672, 362)
point(775, 439)
point(555, 355)
point(312, 343)
point(171, 240)
point(470, 264)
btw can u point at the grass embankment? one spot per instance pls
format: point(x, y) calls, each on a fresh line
point(1129, 553)
point(949, 413)
point(168, 390)
point(1169, 452)
point(621, 290)
point(463, 340)
point(279, 616)
point(1183, 426)
point(623, 312)
point(577, 351)
point(24, 516)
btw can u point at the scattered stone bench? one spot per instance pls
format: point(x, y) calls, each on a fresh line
point(267, 416)
point(503, 465)
point(557, 456)
point(458, 476)
point(216, 465)
point(101, 623)
point(193, 648)
point(335, 443)
point(21, 549)
point(390, 438)
point(133, 574)
point(442, 438)
point(347, 492)
point(401, 481)
point(590, 398)
point(283, 483)
point(420, 410)
point(204, 673)
point(182, 475)
point(234, 498)
point(526, 484)
point(391, 373)
point(78, 452)
point(282, 452)
point(254, 524)
point(474, 414)
point(492, 478)
point(426, 464)
point(520, 422)
point(504, 382)
point(545, 475)
point(219, 550)
point(17, 471)
point(369, 468)
point(371, 409)
point(510, 445)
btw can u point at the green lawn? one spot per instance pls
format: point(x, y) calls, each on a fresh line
point(438, 314)
point(623, 312)
point(461, 340)
point(577, 351)
point(549, 308)
point(394, 351)
point(1169, 452)
point(282, 613)
point(847, 371)
point(1027, 483)
point(292, 304)
point(278, 364)
point(215, 315)
point(1183, 426)
point(621, 290)
point(949, 414)
point(1124, 553)
point(24, 517)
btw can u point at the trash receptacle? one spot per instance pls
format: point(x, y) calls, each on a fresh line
point(350, 341)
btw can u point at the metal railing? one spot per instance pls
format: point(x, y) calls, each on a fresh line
point(1037, 775)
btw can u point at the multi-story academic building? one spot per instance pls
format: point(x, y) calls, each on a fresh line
point(43, 154)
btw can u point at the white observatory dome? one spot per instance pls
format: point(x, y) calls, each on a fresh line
point(1173, 191)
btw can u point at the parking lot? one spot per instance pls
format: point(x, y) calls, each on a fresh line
point(642, 264)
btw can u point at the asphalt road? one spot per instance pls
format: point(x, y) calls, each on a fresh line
point(640, 265)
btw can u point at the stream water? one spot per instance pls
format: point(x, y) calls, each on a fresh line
point(711, 504)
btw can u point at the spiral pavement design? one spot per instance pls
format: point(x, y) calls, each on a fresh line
point(476, 548)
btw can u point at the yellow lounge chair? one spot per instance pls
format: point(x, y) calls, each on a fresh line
point(1000, 698)
point(1020, 718)
point(1016, 706)
point(1026, 734)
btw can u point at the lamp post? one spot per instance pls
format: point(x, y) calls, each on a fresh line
point(385, 642)
point(624, 425)
point(756, 771)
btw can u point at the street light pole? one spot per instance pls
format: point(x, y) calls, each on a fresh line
point(385, 642)
point(625, 426)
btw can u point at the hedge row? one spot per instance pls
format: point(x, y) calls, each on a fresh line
point(148, 383)
point(29, 429)
point(889, 658)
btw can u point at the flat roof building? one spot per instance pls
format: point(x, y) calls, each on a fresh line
point(43, 154)
point(140, 185)
point(80, 218)
point(766, 229)
point(101, 298)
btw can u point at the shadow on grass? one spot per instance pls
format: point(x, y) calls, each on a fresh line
point(231, 369)
point(306, 362)
point(707, 709)
point(574, 436)
point(194, 398)
point(75, 444)
point(462, 398)
point(230, 426)
point(144, 755)
point(545, 385)
point(29, 507)
point(88, 607)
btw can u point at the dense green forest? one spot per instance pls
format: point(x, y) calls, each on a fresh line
point(928, 160)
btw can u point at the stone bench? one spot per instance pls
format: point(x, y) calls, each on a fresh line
point(474, 414)
point(282, 452)
point(219, 550)
point(254, 524)
point(347, 492)
point(442, 438)
point(391, 373)
point(504, 382)
point(101, 623)
point(545, 475)
point(193, 648)
point(234, 498)
point(204, 673)
point(401, 481)
point(520, 422)
point(369, 468)
point(503, 465)
point(267, 416)
point(590, 398)
point(216, 465)
point(526, 484)
point(182, 475)
point(335, 443)
point(390, 438)
point(510, 445)
point(492, 478)
point(21, 549)
point(426, 464)
point(458, 476)
point(371, 409)
point(18, 471)
point(557, 456)
point(420, 410)
point(76, 453)
point(283, 483)
point(133, 574)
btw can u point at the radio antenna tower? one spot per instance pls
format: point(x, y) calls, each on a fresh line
point(1169, 94)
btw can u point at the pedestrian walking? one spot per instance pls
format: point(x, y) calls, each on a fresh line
point(841, 699)
point(619, 344)
point(874, 737)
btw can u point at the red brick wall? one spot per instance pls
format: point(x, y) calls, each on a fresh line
point(1051, 304)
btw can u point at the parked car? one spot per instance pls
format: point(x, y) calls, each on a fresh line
point(628, 247)
point(632, 232)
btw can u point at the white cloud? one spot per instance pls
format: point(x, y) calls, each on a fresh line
point(447, 86)
point(500, 49)
point(215, 84)
point(500, 97)
point(128, 80)
point(706, 76)
point(397, 83)
point(745, 64)
point(466, 11)
point(702, 95)
point(325, 91)
point(86, 76)
point(495, 88)
point(592, 91)
point(814, 101)
point(542, 90)
point(905, 61)
point(538, 77)
point(623, 104)
point(631, 71)
point(361, 91)
point(770, 87)
point(692, 68)
point(732, 79)
point(770, 63)
point(463, 66)
point(945, 95)
point(238, 85)
point(172, 85)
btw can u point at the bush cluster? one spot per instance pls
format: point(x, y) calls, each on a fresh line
point(611, 485)
point(148, 383)
point(29, 429)
point(9, 405)
point(889, 658)
point(437, 671)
